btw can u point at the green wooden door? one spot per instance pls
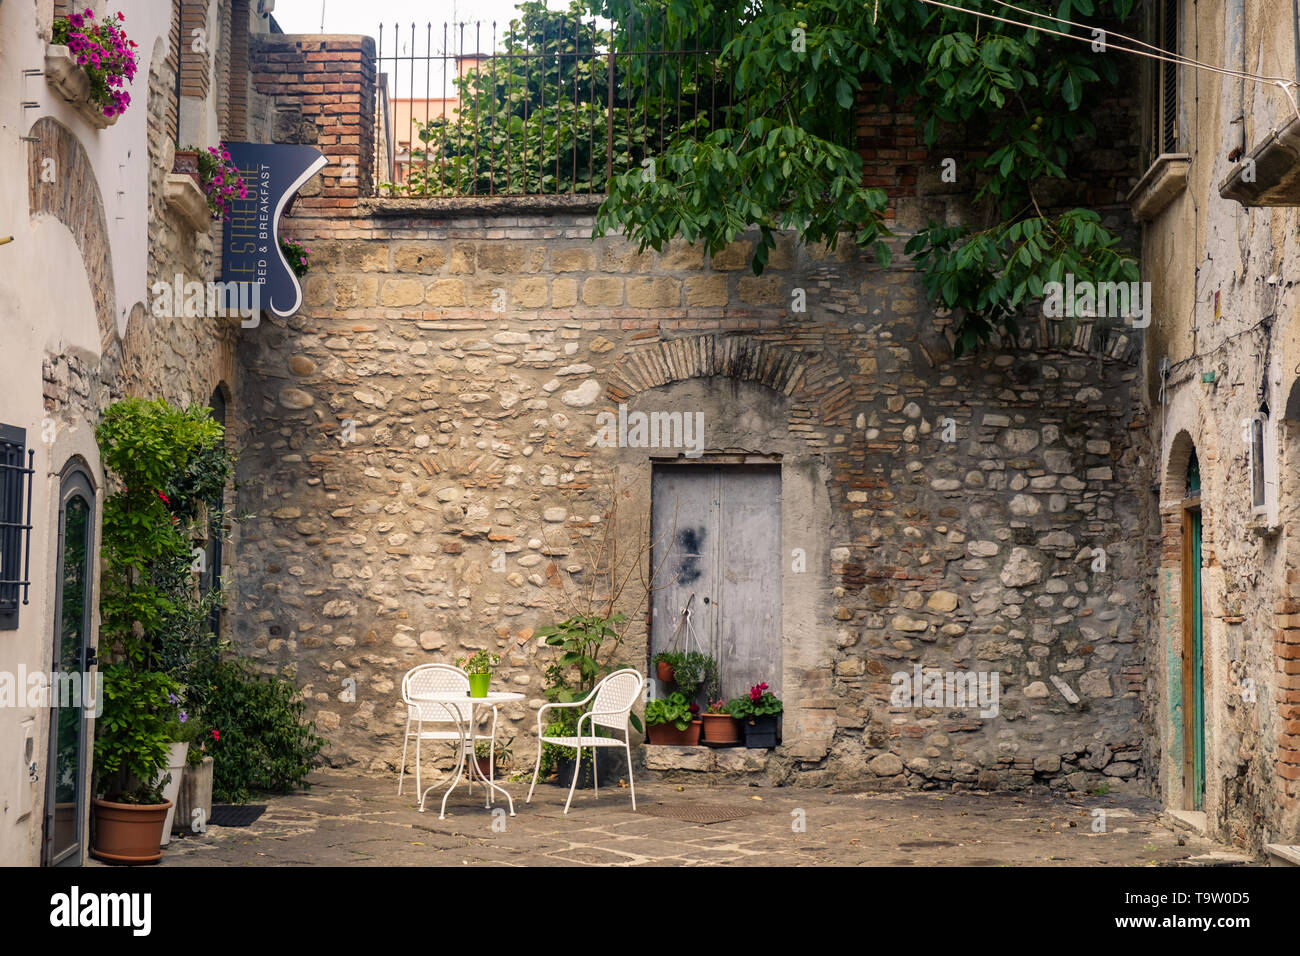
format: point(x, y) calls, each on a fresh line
point(1197, 692)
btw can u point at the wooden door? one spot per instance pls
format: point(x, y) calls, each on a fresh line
point(721, 526)
point(1193, 702)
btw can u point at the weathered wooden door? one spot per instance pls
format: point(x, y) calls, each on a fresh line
point(719, 527)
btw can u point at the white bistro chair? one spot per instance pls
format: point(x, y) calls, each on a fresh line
point(430, 720)
point(611, 704)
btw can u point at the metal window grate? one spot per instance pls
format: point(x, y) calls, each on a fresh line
point(15, 523)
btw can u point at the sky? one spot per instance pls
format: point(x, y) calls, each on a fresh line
point(364, 16)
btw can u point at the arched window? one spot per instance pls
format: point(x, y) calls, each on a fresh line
point(1193, 489)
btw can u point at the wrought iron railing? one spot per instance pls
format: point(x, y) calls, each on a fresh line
point(551, 104)
point(15, 523)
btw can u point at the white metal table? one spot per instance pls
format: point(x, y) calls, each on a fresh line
point(456, 704)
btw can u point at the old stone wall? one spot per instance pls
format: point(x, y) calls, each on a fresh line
point(436, 400)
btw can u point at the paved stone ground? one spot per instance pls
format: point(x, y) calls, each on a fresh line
point(347, 818)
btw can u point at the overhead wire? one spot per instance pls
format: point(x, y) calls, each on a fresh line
point(1283, 83)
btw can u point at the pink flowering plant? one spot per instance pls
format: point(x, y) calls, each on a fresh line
point(759, 702)
point(295, 253)
point(220, 180)
point(104, 52)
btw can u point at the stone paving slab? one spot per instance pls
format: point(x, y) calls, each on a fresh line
point(348, 819)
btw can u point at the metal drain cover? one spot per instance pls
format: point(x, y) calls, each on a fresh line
point(697, 812)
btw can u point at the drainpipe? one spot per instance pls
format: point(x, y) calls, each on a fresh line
point(1295, 34)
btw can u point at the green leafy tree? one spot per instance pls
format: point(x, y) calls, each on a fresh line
point(780, 154)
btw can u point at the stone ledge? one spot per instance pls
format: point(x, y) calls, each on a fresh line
point(451, 207)
point(186, 199)
point(70, 81)
point(1161, 184)
point(1270, 174)
point(705, 759)
point(1279, 854)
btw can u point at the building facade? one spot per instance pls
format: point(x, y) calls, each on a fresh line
point(1220, 371)
point(97, 218)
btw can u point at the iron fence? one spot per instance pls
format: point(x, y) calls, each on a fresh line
point(551, 104)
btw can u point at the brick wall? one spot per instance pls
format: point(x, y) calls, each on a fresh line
point(323, 90)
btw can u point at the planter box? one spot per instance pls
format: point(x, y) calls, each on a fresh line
point(195, 794)
point(186, 199)
point(762, 733)
point(70, 81)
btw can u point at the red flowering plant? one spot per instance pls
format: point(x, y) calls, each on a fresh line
point(220, 181)
point(104, 52)
point(760, 702)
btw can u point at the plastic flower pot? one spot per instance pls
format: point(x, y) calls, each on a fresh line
point(129, 832)
point(610, 767)
point(721, 730)
point(478, 684)
point(760, 732)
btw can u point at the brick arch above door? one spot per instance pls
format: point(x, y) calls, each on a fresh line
point(801, 376)
point(74, 199)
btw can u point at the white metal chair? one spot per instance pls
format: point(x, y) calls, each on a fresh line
point(441, 679)
point(611, 704)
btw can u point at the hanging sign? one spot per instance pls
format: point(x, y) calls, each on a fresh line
point(250, 251)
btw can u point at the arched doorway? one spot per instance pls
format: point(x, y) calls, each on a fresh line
point(72, 698)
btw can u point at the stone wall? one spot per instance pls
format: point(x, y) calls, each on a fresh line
point(474, 430)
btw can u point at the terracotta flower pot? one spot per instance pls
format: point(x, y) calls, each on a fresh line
point(129, 832)
point(664, 671)
point(721, 729)
point(668, 734)
point(187, 162)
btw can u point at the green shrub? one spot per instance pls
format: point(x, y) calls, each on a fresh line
point(264, 742)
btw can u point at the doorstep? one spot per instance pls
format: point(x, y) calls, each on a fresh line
point(1278, 854)
point(1194, 820)
point(705, 759)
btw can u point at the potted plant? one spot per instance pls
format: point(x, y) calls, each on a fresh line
point(186, 161)
point(693, 670)
point(719, 727)
point(182, 730)
point(670, 721)
point(666, 665)
point(295, 253)
point(490, 758)
point(758, 713)
point(220, 181)
point(479, 668)
point(133, 736)
point(91, 63)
